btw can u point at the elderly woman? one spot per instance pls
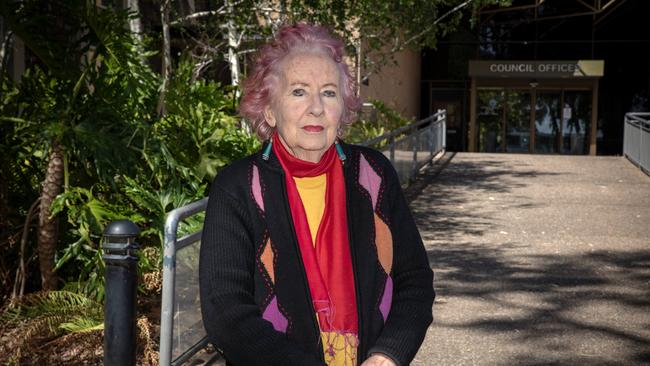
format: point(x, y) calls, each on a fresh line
point(309, 254)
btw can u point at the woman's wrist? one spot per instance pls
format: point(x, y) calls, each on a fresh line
point(379, 359)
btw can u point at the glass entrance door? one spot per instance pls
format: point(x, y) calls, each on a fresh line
point(547, 122)
point(503, 120)
point(452, 102)
point(576, 122)
point(561, 120)
point(517, 121)
point(489, 119)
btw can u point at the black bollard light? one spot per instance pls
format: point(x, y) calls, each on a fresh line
point(121, 259)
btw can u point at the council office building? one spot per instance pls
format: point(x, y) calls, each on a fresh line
point(541, 77)
point(534, 106)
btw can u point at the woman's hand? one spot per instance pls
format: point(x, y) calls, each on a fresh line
point(377, 359)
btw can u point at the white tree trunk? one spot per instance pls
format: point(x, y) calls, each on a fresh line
point(234, 40)
point(233, 60)
point(135, 23)
point(6, 45)
point(233, 45)
point(167, 58)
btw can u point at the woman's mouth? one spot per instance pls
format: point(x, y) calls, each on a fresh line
point(313, 128)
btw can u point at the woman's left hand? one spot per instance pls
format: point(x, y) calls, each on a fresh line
point(378, 360)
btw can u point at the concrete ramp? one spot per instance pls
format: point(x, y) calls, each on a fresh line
point(538, 260)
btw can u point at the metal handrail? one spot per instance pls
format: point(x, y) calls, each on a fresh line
point(636, 139)
point(171, 246)
point(397, 131)
point(434, 126)
point(638, 116)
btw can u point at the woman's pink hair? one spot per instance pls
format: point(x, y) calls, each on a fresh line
point(259, 87)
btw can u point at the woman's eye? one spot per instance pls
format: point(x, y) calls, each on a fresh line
point(298, 92)
point(329, 93)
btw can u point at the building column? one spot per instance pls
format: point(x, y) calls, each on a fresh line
point(473, 132)
point(594, 118)
point(533, 100)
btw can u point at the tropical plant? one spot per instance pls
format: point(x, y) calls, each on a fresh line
point(88, 213)
point(180, 154)
point(184, 149)
point(81, 107)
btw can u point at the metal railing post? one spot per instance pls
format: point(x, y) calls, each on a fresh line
point(443, 112)
point(121, 275)
point(168, 288)
point(431, 134)
point(641, 133)
point(414, 163)
point(626, 141)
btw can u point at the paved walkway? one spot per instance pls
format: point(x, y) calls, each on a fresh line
point(538, 260)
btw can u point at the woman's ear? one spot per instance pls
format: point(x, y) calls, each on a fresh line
point(340, 130)
point(269, 116)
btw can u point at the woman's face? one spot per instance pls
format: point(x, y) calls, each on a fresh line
point(307, 106)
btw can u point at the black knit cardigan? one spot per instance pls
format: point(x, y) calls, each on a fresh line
point(255, 297)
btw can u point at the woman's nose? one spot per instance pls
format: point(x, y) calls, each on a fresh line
point(316, 107)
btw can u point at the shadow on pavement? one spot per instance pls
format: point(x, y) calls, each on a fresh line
point(541, 308)
point(441, 210)
point(551, 304)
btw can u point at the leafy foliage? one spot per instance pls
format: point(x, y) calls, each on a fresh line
point(94, 91)
point(374, 30)
point(122, 160)
point(378, 29)
point(90, 106)
point(87, 215)
point(380, 120)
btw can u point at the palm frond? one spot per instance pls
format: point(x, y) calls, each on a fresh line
point(53, 304)
point(82, 325)
point(48, 315)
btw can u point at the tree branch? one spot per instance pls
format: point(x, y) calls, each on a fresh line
point(198, 67)
point(220, 11)
point(197, 15)
point(21, 271)
point(243, 52)
point(429, 28)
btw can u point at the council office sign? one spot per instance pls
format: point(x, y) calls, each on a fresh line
point(537, 69)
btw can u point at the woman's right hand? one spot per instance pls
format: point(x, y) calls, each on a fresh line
point(377, 359)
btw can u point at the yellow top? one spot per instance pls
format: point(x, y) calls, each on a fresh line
point(312, 195)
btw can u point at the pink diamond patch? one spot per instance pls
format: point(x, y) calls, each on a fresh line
point(273, 315)
point(369, 180)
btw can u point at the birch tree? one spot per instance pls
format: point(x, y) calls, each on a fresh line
point(135, 20)
point(166, 55)
point(5, 46)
